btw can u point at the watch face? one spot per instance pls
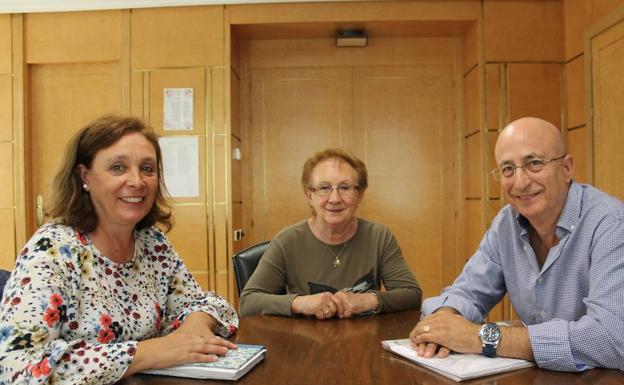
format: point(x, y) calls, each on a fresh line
point(490, 334)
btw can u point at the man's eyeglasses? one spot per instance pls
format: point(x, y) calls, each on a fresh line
point(344, 189)
point(533, 165)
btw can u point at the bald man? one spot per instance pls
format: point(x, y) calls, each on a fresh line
point(557, 249)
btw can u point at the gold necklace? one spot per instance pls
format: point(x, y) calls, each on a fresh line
point(337, 256)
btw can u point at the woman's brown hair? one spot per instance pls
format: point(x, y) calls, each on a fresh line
point(334, 153)
point(71, 204)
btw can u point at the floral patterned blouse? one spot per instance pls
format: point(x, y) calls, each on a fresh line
point(70, 315)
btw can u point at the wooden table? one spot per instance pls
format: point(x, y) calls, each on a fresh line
point(306, 351)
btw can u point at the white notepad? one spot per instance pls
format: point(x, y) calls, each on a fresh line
point(459, 367)
point(235, 364)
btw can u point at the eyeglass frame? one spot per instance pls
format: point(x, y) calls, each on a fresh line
point(352, 189)
point(497, 173)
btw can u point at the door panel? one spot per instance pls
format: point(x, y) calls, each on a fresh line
point(403, 129)
point(295, 112)
point(63, 98)
point(399, 120)
point(608, 93)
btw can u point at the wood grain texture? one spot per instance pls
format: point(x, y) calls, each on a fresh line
point(607, 94)
point(177, 37)
point(534, 89)
point(306, 351)
point(523, 30)
point(6, 52)
point(575, 92)
point(6, 174)
point(577, 147)
point(8, 250)
point(73, 37)
point(6, 107)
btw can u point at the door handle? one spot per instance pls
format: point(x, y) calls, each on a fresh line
point(39, 210)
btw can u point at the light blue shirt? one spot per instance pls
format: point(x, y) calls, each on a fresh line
point(574, 304)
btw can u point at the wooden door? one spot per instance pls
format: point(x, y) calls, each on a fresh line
point(607, 87)
point(398, 119)
point(63, 98)
point(403, 131)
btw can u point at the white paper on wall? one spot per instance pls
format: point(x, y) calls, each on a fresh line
point(181, 165)
point(178, 109)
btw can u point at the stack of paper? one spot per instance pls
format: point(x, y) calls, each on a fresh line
point(232, 366)
point(458, 367)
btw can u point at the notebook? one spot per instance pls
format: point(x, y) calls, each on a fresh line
point(235, 364)
point(459, 367)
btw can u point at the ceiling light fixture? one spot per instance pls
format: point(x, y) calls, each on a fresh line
point(351, 38)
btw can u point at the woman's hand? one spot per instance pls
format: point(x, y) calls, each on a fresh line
point(350, 304)
point(321, 305)
point(193, 341)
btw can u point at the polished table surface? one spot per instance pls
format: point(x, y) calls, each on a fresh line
point(307, 351)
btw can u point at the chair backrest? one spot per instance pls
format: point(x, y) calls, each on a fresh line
point(4, 277)
point(245, 263)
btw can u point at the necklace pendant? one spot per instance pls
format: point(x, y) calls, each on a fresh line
point(336, 262)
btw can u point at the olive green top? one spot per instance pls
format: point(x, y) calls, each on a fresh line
point(298, 263)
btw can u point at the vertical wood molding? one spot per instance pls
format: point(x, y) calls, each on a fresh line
point(126, 72)
point(19, 115)
point(210, 172)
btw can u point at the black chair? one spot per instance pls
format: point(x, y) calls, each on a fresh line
point(4, 277)
point(245, 263)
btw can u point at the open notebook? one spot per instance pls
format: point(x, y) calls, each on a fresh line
point(458, 367)
point(235, 364)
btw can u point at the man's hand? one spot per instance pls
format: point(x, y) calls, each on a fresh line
point(445, 331)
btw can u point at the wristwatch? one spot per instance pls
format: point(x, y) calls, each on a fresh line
point(490, 337)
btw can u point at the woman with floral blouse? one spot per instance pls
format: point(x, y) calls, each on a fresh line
point(99, 293)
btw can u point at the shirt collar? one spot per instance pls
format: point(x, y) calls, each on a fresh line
point(569, 215)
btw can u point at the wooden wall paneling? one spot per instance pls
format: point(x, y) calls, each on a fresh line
point(575, 92)
point(247, 146)
point(362, 11)
point(287, 103)
point(124, 61)
point(237, 196)
point(493, 96)
point(189, 238)
point(137, 95)
point(5, 44)
point(579, 16)
point(219, 82)
point(410, 110)
point(607, 59)
point(221, 207)
point(472, 166)
point(221, 265)
point(577, 147)
point(73, 37)
point(177, 78)
point(534, 89)
point(523, 30)
point(18, 125)
point(472, 229)
point(63, 98)
point(7, 246)
point(6, 174)
point(493, 185)
point(471, 47)
point(323, 52)
point(177, 37)
point(235, 105)
point(472, 99)
point(6, 107)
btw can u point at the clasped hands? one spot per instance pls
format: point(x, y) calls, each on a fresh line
point(341, 304)
point(445, 331)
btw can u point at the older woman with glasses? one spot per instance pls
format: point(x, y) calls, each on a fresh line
point(333, 263)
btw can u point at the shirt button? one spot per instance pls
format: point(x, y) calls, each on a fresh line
point(572, 227)
point(539, 279)
point(542, 313)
